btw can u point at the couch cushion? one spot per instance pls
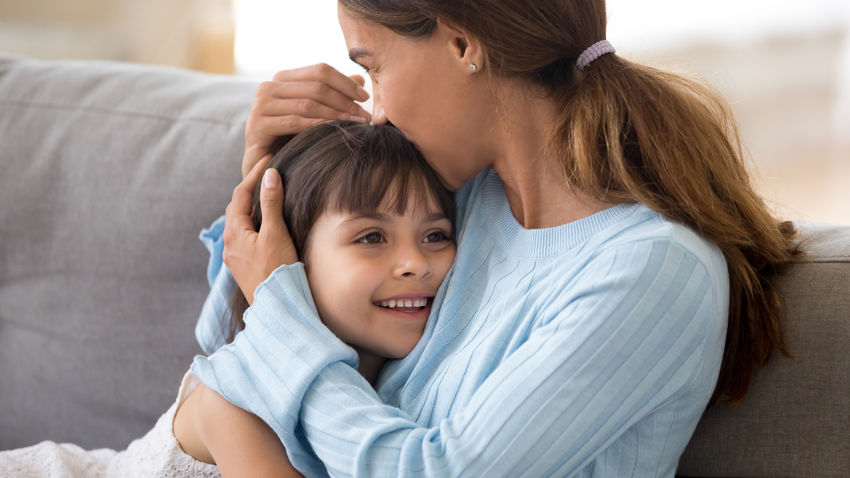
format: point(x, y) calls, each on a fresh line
point(109, 171)
point(795, 422)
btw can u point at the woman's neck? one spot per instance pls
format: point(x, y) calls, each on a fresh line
point(533, 177)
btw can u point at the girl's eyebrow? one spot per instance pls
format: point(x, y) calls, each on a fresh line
point(376, 216)
point(381, 217)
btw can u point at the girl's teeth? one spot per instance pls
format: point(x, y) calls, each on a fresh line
point(392, 303)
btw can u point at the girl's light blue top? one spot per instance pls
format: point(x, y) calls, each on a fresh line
point(588, 349)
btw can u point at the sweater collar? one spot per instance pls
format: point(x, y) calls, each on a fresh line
point(538, 243)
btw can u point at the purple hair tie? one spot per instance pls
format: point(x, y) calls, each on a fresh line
point(593, 52)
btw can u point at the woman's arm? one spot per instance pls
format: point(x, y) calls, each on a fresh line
point(623, 347)
point(213, 430)
point(588, 373)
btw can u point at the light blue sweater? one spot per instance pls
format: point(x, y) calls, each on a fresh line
point(588, 349)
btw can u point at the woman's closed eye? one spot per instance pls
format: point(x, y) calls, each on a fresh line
point(371, 72)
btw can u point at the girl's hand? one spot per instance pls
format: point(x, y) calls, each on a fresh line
point(252, 256)
point(297, 99)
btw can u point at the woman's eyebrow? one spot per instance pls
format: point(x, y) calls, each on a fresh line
point(356, 53)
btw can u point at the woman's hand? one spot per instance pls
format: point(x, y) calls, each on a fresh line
point(252, 256)
point(297, 99)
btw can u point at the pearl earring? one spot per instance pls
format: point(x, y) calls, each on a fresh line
point(473, 66)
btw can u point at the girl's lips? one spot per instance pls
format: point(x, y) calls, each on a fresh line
point(415, 300)
point(415, 295)
point(410, 313)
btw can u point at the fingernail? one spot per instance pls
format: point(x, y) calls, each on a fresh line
point(270, 179)
point(359, 119)
point(361, 93)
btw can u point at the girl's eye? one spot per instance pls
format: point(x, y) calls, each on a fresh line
point(436, 236)
point(371, 238)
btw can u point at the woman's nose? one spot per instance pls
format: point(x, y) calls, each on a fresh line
point(378, 115)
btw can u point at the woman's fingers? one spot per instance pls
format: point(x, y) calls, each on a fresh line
point(274, 236)
point(296, 100)
point(358, 79)
point(238, 212)
point(273, 229)
point(309, 98)
point(307, 108)
point(328, 75)
point(253, 153)
point(250, 255)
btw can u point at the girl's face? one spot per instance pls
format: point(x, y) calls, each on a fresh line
point(426, 90)
point(374, 276)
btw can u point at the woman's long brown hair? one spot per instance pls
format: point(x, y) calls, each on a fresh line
point(629, 132)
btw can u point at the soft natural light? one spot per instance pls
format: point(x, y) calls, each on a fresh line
point(279, 34)
point(274, 35)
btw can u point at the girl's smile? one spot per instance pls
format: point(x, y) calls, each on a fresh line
point(411, 307)
point(374, 276)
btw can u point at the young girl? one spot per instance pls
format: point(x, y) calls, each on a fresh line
point(373, 226)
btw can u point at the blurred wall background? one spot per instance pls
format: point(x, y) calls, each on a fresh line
point(784, 66)
point(196, 34)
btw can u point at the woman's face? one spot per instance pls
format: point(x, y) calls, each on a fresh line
point(373, 277)
point(425, 88)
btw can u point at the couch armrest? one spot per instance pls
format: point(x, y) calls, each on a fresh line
point(795, 422)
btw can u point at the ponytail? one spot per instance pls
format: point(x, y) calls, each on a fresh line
point(631, 133)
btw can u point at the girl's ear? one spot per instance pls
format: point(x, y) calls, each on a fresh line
point(464, 47)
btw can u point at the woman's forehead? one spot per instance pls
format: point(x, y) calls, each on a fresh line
point(363, 36)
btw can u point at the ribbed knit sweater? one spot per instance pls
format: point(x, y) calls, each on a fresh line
point(587, 349)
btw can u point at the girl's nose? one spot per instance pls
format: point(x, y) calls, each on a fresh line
point(411, 263)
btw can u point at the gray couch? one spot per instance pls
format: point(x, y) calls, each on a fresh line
point(108, 172)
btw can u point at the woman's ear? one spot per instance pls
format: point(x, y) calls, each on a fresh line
point(465, 48)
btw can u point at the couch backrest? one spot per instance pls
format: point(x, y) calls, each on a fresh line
point(108, 172)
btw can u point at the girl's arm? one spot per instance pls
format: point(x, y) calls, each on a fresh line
point(213, 430)
point(625, 345)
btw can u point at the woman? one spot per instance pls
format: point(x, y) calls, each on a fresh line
point(613, 263)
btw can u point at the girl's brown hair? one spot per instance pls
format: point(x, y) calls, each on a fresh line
point(626, 133)
point(346, 167)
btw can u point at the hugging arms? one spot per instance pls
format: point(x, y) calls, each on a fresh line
point(610, 278)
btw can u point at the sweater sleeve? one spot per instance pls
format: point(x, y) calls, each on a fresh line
point(629, 334)
point(213, 321)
